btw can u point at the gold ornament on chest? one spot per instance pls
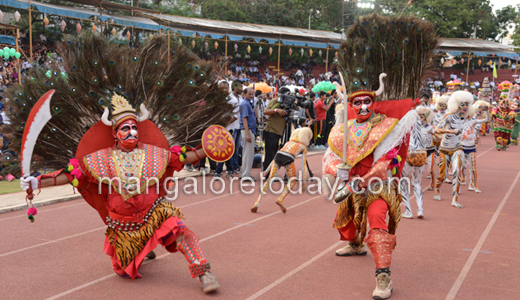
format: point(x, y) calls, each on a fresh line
point(128, 164)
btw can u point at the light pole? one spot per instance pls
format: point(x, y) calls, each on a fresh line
point(310, 18)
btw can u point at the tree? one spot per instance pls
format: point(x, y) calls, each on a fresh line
point(326, 14)
point(458, 19)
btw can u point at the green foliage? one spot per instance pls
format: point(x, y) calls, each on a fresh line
point(326, 14)
point(458, 19)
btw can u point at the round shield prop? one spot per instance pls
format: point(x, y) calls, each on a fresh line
point(218, 143)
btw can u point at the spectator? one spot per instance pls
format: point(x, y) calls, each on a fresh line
point(232, 164)
point(248, 128)
point(331, 118)
point(274, 127)
point(321, 115)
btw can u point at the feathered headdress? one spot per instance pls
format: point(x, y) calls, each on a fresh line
point(101, 77)
point(401, 47)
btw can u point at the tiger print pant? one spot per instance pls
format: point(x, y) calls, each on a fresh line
point(455, 157)
point(471, 160)
point(414, 174)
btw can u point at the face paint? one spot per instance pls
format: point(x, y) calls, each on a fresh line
point(442, 107)
point(423, 118)
point(126, 135)
point(362, 106)
point(463, 108)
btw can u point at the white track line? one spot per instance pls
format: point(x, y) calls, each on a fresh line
point(68, 292)
point(50, 242)
point(465, 270)
point(293, 272)
point(43, 211)
point(92, 230)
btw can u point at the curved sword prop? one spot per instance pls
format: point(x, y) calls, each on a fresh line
point(344, 165)
point(39, 116)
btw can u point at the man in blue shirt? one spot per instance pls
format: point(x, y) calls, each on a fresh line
point(248, 130)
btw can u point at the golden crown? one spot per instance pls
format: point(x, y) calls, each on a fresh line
point(120, 105)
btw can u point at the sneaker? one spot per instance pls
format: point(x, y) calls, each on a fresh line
point(352, 249)
point(203, 170)
point(209, 283)
point(384, 286)
point(217, 175)
point(407, 215)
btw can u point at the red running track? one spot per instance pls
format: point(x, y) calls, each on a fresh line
point(270, 255)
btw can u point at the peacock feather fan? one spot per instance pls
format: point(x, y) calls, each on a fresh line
point(182, 95)
point(400, 46)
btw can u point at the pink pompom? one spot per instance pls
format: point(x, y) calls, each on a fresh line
point(176, 150)
point(76, 173)
point(74, 162)
point(392, 154)
point(32, 211)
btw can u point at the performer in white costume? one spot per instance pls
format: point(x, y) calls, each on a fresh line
point(420, 136)
point(461, 110)
point(469, 143)
point(441, 106)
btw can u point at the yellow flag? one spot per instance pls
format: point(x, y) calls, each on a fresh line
point(495, 70)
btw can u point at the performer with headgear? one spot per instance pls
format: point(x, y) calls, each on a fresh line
point(420, 136)
point(441, 105)
point(122, 164)
point(469, 143)
point(451, 126)
point(368, 150)
point(515, 107)
point(503, 122)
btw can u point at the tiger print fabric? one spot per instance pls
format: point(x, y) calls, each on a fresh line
point(360, 204)
point(129, 243)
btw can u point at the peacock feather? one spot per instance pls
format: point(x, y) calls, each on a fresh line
point(182, 95)
point(400, 46)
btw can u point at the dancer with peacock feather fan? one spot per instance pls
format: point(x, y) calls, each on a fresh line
point(375, 136)
point(121, 165)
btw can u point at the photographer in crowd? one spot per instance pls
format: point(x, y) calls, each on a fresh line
point(274, 127)
point(321, 115)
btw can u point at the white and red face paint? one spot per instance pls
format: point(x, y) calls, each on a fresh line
point(126, 135)
point(363, 108)
point(463, 107)
point(442, 107)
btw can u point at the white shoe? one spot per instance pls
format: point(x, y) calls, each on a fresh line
point(407, 215)
point(471, 188)
point(209, 283)
point(437, 197)
point(428, 177)
point(353, 249)
point(384, 287)
point(456, 204)
point(478, 191)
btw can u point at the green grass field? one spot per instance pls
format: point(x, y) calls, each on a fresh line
point(7, 187)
